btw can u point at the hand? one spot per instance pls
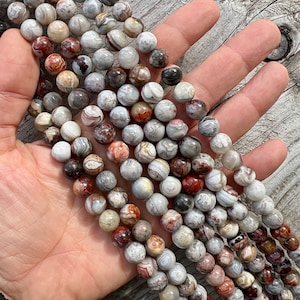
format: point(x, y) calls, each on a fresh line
point(50, 246)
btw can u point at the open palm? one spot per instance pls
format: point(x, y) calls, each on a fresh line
point(50, 247)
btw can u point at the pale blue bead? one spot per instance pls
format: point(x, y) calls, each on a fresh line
point(166, 260)
point(196, 251)
point(170, 187)
point(106, 181)
point(142, 188)
point(31, 29)
point(128, 94)
point(103, 59)
point(275, 287)
point(177, 274)
point(235, 269)
point(194, 218)
point(95, 204)
point(79, 24)
point(183, 237)
point(209, 126)
point(107, 100)
point(91, 41)
point(236, 295)
point(165, 110)
point(205, 200)
point(158, 169)
point(131, 169)
point(132, 134)
point(154, 130)
point(61, 151)
point(94, 82)
point(176, 129)
point(146, 42)
point(157, 204)
point(214, 245)
point(91, 8)
point(238, 211)
point(119, 116)
point(135, 252)
point(128, 57)
point(167, 149)
point(152, 92)
point(190, 147)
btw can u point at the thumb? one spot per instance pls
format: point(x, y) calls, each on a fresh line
point(18, 79)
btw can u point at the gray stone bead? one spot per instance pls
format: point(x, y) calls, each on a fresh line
point(295, 256)
point(102, 59)
point(157, 204)
point(132, 134)
point(166, 260)
point(104, 23)
point(166, 148)
point(263, 207)
point(45, 13)
point(107, 100)
point(128, 57)
point(52, 100)
point(128, 94)
point(109, 220)
point(158, 169)
point(209, 126)
point(117, 197)
point(60, 115)
point(176, 129)
point(61, 151)
point(183, 237)
point(170, 186)
point(244, 176)
point(142, 230)
point(236, 295)
point(250, 223)
point(205, 200)
point(227, 197)
point(220, 143)
point(215, 180)
point(79, 24)
point(199, 293)
point(184, 92)
point(146, 42)
point(273, 220)
point(196, 251)
point(296, 290)
point(232, 160)
point(255, 191)
point(170, 292)
point(18, 12)
point(70, 130)
point(145, 152)
point(275, 287)
point(214, 245)
point(217, 216)
point(82, 65)
point(194, 218)
point(229, 229)
point(154, 130)
point(31, 29)
point(177, 274)
point(81, 146)
point(187, 288)
point(91, 8)
point(106, 181)
point(152, 92)
point(189, 147)
point(135, 252)
point(92, 115)
point(95, 204)
point(78, 99)
point(142, 188)
point(257, 264)
point(286, 294)
point(196, 109)
point(94, 82)
point(238, 211)
point(66, 9)
point(165, 110)
point(91, 41)
point(158, 282)
point(116, 39)
point(235, 269)
point(119, 116)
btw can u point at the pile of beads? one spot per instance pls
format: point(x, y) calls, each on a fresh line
point(238, 242)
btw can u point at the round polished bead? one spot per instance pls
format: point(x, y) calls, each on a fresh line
point(32, 4)
point(205, 232)
point(103, 59)
point(91, 115)
point(209, 126)
point(165, 111)
point(284, 267)
point(205, 200)
point(145, 152)
point(291, 278)
point(248, 253)
point(274, 219)
point(157, 204)
point(215, 180)
point(183, 237)
point(199, 293)
point(78, 99)
point(255, 191)
point(116, 77)
point(184, 92)
point(132, 134)
point(146, 42)
point(91, 8)
point(93, 164)
point(135, 252)
point(45, 13)
point(257, 264)
point(142, 230)
point(189, 147)
point(57, 31)
point(170, 187)
point(225, 257)
point(235, 269)
point(91, 41)
point(79, 24)
point(220, 143)
point(18, 12)
point(82, 65)
point(286, 294)
point(31, 29)
point(95, 204)
point(202, 164)
point(217, 216)
point(245, 280)
point(130, 214)
point(36, 107)
point(188, 287)
point(51, 101)
point(121, 11)
point(180, 166)
point(155, 245)
point(216, 277)
point(128, 57)
point(282, 233)
point(152, 92)
point(104, 23)
point(171, 220)
point(275, 287)
point(194, 218)
point(166, 260)
point(167, 148)
point(104, 133)
point(154, 130)
point(70, 130)
point(238, 242)
point(107, 100)
point(106, 181)
point(117, 151)
point(73, 168)
point(229, 229)
point(66, 81)
point(81, 146)
point(83, 186)
point(259, 235)
point(70, 47)
point(142, 188)
point(94, 82)
point(214, 245)
point(196, 109)
point(128, 94)
point(268, 246)
point(177, 274)
point(276, 257)
point(61, 151)
point(232, 160)
point(170, 292)
point(66, 9)
point(254, 290)
point(171, 75)
point(52, 135)
point(121, 236)
point(183, 203)
point(158, 169)
point(117, 197)
point(139, 75)
point(116, 39)
point(141, 112)
point(133, 27)
point(147, 268)
point(158, 282)
point(109, 220)
point(131, 169)
point(244, 176)
point(42, 46)
point(227, 197)
point(264, 206)
point(238, 211)
point(196, 251)
point(206, 264)
point(158, 58)
point(176, 129)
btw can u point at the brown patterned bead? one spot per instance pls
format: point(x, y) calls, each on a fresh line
point(226, 288)
point(192, 184)
point(266, 276)
point(281, 233)
point(180, 166)
point(248, 253)
point(83, 186)
point(206, 265)
point(205, 232)
point(239, 242)
point(291, 278)
point(121, 236)
point(55, 63)
point(216, 277)
point(155, 245)
point(225, 257)
point(141, 112)
point(130, 214)
point(147, 267)
point(292, 243)
point(259, 235)
point(268, 246)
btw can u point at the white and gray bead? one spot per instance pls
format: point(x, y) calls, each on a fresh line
point(170, 292)
point(232, 160)
point(205, 200)
point(45, 13)
point(107, 100)
point(117, 197)
point(235, 269)
point(214, 245)
point(227, 197)
point(215, 180)
point(135, 252)
point(177, 274)
point(203, 163)
point(158, 282)
point(132, 134)
point(52, 100)
point(18, 12)
point(131, 169)
point(194, 218)
point(95, 204)
point(154, 130)
point(43, 121)
point(255, 191)
point(91, 8)
point(82, 65)
point(274, 219)
point(165, 110)
point(70, 130)
point(184, 92)
point(146, 42)
point(183, 237)
point(158, 169)
point(244, 176)
point(145, 152)
point(238, 211)
point(220, 143)
point(66, 9)
point(176, 129)
point(32, 3)
point(236, 295)
point(189, 147)
point(128, 57)
point(275, 287)
point(166, 260)
point(264, 206)
point(257, 264)
point(119, 116)
point(61, 151)
point(142, 188)
point(106, 181)
point(187, 288)
point(81, 146)
point(250, 223)
point(209, 126)
point(31, 29)
point(170, 186)
point(79, 24)
point(94, 82)
point(128, 94)
point(167, 148)
point(92, 115)
point(152, 92)
point(157, 204)
point(229, 229)
point(116, 39)
point(91, 41)
point(196, 251)
point(104, 23)
point(103, 59)
point(93, 164)
point(217, 216)
point(121, 11)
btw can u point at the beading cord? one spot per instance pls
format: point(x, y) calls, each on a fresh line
point(166, 138)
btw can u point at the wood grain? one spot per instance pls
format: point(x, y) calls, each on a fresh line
point(282, 120)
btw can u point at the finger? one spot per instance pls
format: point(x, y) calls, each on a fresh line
point(226, 67)
point(184, 27)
